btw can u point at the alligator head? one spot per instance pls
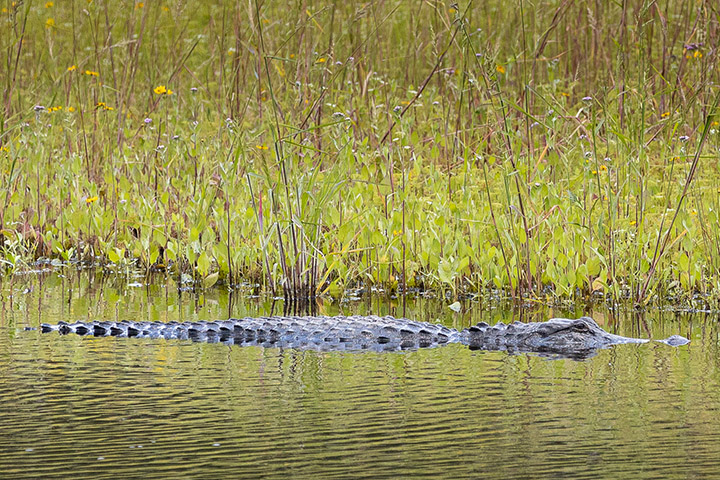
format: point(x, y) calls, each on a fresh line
point(560, 334)
point(558, 337)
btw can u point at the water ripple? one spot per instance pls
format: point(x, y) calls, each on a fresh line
point(129, 408)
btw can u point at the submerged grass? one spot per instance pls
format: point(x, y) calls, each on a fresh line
point(541, 149)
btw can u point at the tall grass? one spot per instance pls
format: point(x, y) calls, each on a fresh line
point(539, 149)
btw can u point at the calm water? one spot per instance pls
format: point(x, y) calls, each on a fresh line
point(74, 407)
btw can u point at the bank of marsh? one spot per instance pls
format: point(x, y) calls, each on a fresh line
point(538, 148)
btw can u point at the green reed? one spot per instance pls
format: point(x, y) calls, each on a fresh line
point(463, 148)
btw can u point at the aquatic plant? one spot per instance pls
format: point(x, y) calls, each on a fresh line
point(395, 145)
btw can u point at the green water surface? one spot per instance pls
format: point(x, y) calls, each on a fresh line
point(78, 407)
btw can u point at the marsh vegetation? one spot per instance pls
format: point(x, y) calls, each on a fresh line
point(556, 149)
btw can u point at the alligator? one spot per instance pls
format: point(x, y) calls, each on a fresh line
point(558, 337)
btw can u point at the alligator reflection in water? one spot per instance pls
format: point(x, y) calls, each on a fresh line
point(557, 337)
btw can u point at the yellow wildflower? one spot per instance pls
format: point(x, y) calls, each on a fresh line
point(261, 147)
point(564, 94)
point(91, 73)
point(320, 60)
point(632, 222)
point(715, 124)
point(50, 23)
point(49, 4)
point(72, 68)
point(90, 200)
point(665, 114)
point(160, 89)
point(139, 5)
point(292, 55)
point(166, 8)
point(500, 69)
point(603, 167)
point(71, 109)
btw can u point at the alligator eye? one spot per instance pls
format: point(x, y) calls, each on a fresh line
point(581, 327)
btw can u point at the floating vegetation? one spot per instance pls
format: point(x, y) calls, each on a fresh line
point(463, 149)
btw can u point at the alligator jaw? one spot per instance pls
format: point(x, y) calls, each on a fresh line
point(613, 339)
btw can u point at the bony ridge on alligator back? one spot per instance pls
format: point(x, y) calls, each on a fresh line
point(558, 337)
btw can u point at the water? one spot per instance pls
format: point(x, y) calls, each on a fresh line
point(77, 407)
